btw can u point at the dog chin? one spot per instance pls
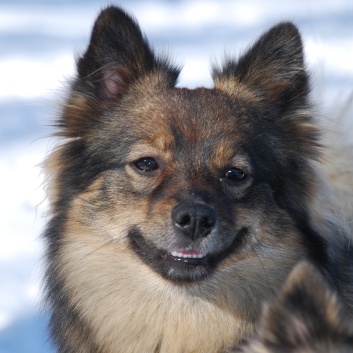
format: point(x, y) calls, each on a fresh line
point(179, 266)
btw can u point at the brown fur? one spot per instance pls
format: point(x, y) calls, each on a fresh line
point(137, 150)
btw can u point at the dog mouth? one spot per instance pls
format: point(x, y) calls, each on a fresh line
point(186, 255)
point(181, 265)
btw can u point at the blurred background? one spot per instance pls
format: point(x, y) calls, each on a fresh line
point(39, 41)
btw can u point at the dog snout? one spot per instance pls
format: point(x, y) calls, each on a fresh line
point(194, 220)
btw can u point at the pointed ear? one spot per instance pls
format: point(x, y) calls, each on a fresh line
point(118, 55)
point(273, 68)
point(306, 310)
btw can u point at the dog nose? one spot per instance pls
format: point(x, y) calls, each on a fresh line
point(195, 220)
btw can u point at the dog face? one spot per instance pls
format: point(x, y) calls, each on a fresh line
point(190, 181)
point(184, 196)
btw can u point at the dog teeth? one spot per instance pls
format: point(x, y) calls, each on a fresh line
point(187, 256)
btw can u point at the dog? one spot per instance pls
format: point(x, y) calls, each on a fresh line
point(174, 212)
point(306, 317)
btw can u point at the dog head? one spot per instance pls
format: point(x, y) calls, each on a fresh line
point(193, 182)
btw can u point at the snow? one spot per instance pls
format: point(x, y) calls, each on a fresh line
point(39, 41)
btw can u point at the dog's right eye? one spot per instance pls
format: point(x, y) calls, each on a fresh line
point(146, 164)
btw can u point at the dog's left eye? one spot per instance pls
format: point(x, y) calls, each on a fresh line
point(146, 164)
point(235, 174)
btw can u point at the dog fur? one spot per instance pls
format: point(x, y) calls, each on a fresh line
point(306, 317)
point(174, 212)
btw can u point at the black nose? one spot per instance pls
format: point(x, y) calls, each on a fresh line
point(195, 220)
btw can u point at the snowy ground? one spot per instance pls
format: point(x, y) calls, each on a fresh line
point(38, 41)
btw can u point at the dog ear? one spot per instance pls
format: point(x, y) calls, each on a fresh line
point(117, 56)
point(273, 68)
point(306, 312)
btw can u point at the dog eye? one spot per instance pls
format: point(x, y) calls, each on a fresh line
point(146, 164)
point(235, 174)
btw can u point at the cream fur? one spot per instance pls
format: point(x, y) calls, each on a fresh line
point(138, 310)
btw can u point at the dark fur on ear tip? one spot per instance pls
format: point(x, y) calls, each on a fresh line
point(115, 35)
point(282, 42)
point(273, 67)
point(118, 53)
